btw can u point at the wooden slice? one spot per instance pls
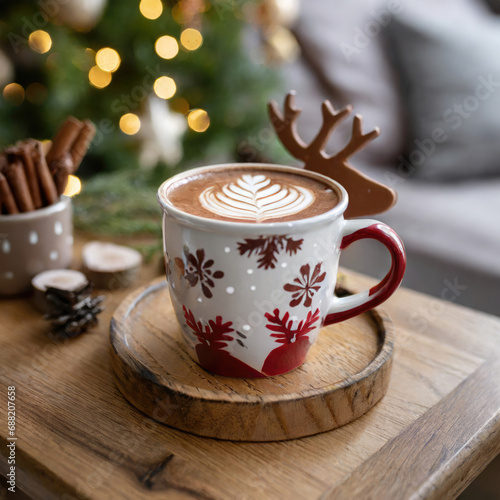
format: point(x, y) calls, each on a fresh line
point(109, 266)
point(68, 280)
point(346, 373)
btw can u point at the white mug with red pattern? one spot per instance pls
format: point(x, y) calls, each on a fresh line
point(251, 297)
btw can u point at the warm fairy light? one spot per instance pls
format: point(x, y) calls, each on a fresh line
point(99, 78)
point(185, 12)
point(52, 61)
point(36, 93)
point(130, 124)
point(179, 105)
point(284, 43)
point(165, 87)
point(83, 59)
point(191, 39)
point(167, 47)
point(198, 120)
point(108, 59)
point(151, 9)
point(40, 41)
point(177, 13)
point(73, 187)
point(14, 93)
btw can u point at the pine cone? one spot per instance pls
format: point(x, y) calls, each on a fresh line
point(76, 310)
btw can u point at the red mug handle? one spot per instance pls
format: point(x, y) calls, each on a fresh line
point(354, 230)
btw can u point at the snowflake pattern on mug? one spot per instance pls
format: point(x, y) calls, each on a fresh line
point(199, 271)
point(306, 285)
point(174, 267)
point(268, 247)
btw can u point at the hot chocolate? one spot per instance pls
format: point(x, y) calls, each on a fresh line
point(251, 194)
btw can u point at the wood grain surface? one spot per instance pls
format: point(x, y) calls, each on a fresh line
point(436, 428)
point(346, 372)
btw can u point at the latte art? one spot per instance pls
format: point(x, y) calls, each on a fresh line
point(256, 198)
point(251, 194)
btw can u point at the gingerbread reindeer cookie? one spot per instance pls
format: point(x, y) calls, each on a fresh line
point(366, 196)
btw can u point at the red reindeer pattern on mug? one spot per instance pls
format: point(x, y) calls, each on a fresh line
point(213, 337)
point(295, 342)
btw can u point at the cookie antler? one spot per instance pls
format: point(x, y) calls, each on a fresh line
point(357, 141)
point(286, 127)
point(367, 196)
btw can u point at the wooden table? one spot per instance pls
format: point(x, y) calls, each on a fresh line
point(435, 430)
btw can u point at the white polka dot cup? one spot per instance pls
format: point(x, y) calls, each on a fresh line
point(252, 290)
point(32, 242)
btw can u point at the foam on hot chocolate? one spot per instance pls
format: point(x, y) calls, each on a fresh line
point(253, 195)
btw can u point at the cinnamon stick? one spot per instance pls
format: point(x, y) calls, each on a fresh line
point(8, 200)
point(64, 139)
point(82, 143)
point(26, 155)
point(32, 179)
point(61, 174)
point(3, 162)
point(19, 186)
point(3, 165)
point(45, 179)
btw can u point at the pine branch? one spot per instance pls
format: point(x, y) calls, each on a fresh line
point(251, 245)
point(268, 254)
point(215, 333)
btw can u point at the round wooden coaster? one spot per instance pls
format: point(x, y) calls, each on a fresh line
point(346, 373)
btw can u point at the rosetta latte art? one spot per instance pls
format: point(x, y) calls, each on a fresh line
point(256, 198)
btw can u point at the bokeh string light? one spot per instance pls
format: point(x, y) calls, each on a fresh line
point(108, 59)
point(13, 93)
point(40, 41)
point(36, 93)
point(130, 124)
point(99, 78)
point(52, 61)
point(179, 105)
point(198, 120)
point(186, 12)
point(151, 9)
point(191, 39)
point(74, 186)
point(165, 87)
point(167, 47)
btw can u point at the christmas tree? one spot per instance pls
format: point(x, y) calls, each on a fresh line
point(168, 84)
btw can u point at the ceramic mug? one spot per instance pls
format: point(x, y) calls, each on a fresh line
point(251, 297)
point(32, 242)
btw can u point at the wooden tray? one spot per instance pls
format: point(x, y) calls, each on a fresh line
point(346, 373)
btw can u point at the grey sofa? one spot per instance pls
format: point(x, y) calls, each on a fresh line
point(366, 53)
